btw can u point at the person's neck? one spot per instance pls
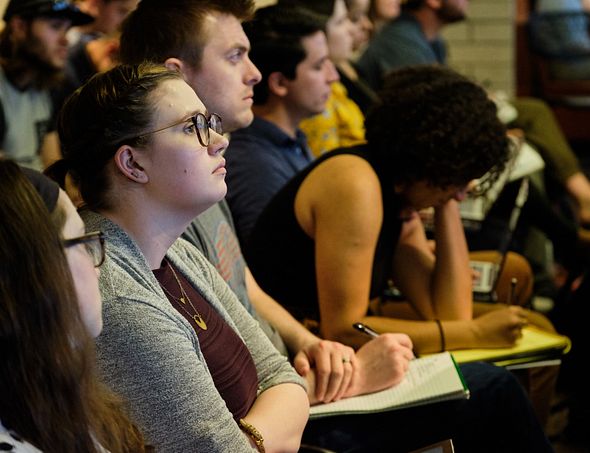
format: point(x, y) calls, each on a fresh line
point(20, 77)
point(23, 74)
point(24, 81)
point(278, 114)
point(151, 227)
point(346, 67)
point(429, 22)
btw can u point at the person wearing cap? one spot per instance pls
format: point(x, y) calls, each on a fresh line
point(33, 52)
point(94, 47)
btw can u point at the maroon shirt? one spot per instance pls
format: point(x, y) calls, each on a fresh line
point(227, 357)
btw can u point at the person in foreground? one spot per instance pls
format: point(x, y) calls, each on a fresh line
point(50, 309)
point(196, 369)
point(217, 66)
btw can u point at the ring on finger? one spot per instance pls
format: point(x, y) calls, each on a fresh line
point(345, 360)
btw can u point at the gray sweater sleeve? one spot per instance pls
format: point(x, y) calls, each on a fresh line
point(150, 355)
point(159, 371)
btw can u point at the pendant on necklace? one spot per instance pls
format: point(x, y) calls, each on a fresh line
point(199, 321)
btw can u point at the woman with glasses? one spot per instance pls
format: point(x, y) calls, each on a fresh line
point(196, 370)
point(50, 309)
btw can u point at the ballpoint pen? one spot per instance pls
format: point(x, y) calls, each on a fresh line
point(512, 293)
point(365, 329)
point(370, 332)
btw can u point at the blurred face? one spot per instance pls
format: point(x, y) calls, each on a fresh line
point(421, 195)
point(387, 9)
point(110, 14)
point(84, 274)
point(453, 10)
point(339, 33)
point(185, 177)
point(226, 77)
point(308, 93)
point(44, 40)
point(361, 25)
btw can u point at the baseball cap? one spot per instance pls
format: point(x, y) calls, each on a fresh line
point(50, 8)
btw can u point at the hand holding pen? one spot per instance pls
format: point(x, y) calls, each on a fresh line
point(384, 360)
point(371, 333)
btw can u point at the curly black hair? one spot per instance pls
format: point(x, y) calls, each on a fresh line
point(433, 124)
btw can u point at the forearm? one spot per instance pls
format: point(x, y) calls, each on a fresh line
point(280, 414)
point(291, 331)
point(425, 335)
point(451, 285)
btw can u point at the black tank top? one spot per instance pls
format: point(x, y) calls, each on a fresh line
point(281, 254)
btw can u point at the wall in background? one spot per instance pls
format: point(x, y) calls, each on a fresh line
point(3, 4)
point(482, 47)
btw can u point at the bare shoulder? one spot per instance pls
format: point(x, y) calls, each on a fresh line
point(347, 176)
point(342, 189)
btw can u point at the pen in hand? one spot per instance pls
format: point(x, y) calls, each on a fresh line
point(365, 329)
point(370, 332)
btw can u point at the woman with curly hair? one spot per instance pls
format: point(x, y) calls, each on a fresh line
point(50, 309)
point(348, 224)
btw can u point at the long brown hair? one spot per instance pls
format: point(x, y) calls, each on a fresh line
point(50, 396)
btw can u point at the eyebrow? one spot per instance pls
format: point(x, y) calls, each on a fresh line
point(239, 46)
point(194, 112)
point(321, 60)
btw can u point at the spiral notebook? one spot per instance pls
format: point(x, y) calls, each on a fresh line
point(428, 380)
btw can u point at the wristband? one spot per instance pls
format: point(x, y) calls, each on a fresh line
point(443, 344)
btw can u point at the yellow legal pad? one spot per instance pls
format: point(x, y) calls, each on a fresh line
point(535, 345)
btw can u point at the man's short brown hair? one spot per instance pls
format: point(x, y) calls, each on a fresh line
point(158, 29)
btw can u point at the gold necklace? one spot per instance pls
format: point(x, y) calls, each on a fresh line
point(199, 321)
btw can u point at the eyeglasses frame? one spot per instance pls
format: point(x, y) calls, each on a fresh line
point(89, 237)
point(193, 118)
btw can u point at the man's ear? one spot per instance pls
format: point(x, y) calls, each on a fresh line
point(277, 84)
point(128, 166)
point(174, 64)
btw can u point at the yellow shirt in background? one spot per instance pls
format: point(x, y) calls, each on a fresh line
point(341, 124)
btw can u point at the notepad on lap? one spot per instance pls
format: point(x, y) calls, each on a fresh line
point(534, 345)
point(428, 380)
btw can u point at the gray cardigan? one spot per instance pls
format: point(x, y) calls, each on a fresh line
point(149, 354)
